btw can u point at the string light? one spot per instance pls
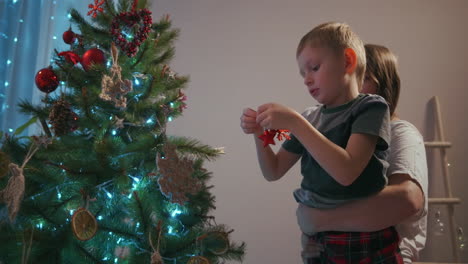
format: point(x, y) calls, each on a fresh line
point(69, 16)
point(176, 212)
point(15, 39)
point(21, 20)
point(149, 121)
point(127, 35)
point(40, 225)
point(108, 194)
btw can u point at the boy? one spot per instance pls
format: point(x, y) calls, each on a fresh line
point(341, 143)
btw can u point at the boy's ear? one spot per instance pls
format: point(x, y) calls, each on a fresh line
point(350, 60)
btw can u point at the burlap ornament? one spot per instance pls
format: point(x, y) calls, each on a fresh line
point(113, 87)
point(176, 176)
point(13, 193)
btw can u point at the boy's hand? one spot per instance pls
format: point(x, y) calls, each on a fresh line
point(276, 116)
point(249, 122)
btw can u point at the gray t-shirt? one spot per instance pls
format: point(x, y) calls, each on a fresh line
point(366, 114)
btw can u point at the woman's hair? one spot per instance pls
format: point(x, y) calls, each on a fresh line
point(382, 69)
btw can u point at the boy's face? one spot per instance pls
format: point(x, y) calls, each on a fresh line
point(324, 75)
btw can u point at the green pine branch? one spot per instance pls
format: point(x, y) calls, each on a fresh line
point(194, 148)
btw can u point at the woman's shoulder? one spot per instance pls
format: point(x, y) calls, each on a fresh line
point(403, 129)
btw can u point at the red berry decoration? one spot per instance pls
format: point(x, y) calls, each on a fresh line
point(46, 80)
point(92, 56)
point(69, 36)
point(140, 21)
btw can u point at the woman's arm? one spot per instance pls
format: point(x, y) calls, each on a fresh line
point(400, 199)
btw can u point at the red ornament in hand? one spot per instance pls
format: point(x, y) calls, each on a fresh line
point(269, 135)
point(46, 80)
point(92, 56)
point(69, 36)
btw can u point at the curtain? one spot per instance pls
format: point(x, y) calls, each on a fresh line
point(29, 31)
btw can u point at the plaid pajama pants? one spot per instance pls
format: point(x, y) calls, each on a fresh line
point(380, 247)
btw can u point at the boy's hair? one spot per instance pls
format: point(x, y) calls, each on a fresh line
point(338, 37)
point(382, 69)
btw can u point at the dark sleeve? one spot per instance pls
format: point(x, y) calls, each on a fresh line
point(293, 145)
point(373, 118)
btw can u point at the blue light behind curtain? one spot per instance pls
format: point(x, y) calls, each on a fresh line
point(29, 31)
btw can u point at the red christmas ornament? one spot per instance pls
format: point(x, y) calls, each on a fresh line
point(269, 135)
point(69, 36)
point(92, 56)
point(70, 56)
point(46, 80)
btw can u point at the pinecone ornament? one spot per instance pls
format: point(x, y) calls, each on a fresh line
point(62, 118)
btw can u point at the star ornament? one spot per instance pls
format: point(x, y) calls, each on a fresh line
point(268, 136)
point(95, 8)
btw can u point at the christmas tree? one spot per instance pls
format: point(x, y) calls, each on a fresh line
point(102, 182)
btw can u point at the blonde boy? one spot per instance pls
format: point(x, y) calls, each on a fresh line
point(342, 142)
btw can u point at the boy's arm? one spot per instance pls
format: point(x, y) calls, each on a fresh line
point(401, 199)
point(344, 165)
point(274, 166)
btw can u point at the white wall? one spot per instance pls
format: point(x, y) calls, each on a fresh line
point(242, 54)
